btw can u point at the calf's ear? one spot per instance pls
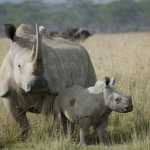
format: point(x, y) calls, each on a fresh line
point(107, 81)
point(10, 31)
point(112, 82)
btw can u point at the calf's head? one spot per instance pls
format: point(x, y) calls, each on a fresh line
point(114, 100)
point(26, 58)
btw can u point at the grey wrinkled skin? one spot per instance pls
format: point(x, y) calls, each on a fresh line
point(36, 69)
point(88, 108)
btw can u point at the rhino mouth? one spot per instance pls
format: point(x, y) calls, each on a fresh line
point(39, 85)
point(127, 109)
point(35, 91)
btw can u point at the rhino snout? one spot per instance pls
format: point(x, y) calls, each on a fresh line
point(129, 108)
point(27, 88)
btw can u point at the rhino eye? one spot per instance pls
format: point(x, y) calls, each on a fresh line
point(118, 100)
point(19, 66)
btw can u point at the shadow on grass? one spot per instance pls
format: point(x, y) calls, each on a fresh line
point(6, 143)
point(118, 135)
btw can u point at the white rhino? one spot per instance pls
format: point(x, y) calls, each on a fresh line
point(79, 105)
point(36, 69)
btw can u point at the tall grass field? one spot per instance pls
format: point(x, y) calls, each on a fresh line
point(125, 56)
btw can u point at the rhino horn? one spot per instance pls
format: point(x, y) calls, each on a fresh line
point(36, 51)
point(38, 45)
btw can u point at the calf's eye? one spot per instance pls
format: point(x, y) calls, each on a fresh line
point(118, 99)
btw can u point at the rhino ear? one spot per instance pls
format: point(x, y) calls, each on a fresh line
point(107, 81)
point(112, 82)
point(10, 31)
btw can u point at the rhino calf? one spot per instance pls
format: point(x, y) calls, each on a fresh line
point(80, 105)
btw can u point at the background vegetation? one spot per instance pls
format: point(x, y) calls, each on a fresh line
point(118, 16)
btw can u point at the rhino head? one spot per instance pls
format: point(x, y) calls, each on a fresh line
point(25, 59)
point(114, 100)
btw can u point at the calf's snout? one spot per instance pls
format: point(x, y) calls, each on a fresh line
point(129, 108)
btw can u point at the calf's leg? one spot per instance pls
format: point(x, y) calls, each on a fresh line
point(70, 128)
point(83, 134)
point(84, 130)
point(102, 133)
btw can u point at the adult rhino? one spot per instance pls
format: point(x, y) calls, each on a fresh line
point(35, 69)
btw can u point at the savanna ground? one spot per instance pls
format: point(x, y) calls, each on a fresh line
point(123, 56)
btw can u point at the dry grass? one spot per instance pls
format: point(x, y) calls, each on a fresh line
point(127, 58)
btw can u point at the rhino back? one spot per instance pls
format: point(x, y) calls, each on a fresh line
point(66, 63)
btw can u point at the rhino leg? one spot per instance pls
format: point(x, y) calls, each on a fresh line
point(48, 105)
point(62, 122)
point(21, 118)
point(82, 136)
point(19, 115)
point(70, 128)
point(84, 128)
point(102, 133)
point(65, 125)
